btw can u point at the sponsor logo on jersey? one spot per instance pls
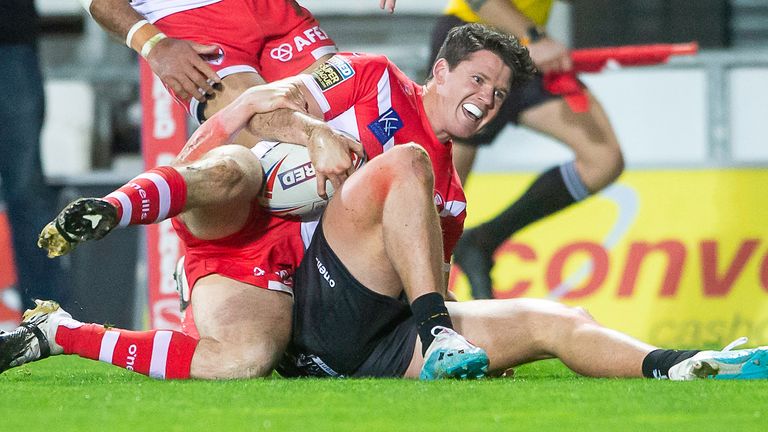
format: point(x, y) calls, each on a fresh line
point(333, 72)
point(386, 125)
point(297, 176)
point(258, 271)
point(284, 52)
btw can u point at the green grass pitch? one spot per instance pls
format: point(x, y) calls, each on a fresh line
point(72, 394)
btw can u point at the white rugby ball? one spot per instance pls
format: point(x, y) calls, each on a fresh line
point(290, 187)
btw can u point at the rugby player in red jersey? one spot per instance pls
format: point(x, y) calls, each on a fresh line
point(378, 232)
point(207, 52)
point(394, 239)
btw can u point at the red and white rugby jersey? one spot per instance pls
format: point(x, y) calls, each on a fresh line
point(369, 97)
point(153, 10)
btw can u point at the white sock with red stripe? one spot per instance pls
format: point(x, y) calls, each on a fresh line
point(161, 354)
point(151, 197)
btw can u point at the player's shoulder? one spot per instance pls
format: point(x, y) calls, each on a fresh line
point(363, 60)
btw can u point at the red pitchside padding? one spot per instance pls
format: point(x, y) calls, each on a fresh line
point(163, 134)
point(8, 317)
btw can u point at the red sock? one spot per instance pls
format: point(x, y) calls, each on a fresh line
point(162, 354)
point(152, 197)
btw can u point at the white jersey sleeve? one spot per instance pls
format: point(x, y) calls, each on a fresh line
point(153, 10)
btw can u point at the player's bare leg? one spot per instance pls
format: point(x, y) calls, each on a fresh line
point(599, 160)
point(523, 330)
point(244, 330)
point(382, 224)
point(519, 331)
point(405, 247)
point(223, 180)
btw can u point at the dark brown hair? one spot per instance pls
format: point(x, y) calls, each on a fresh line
point(464, 40)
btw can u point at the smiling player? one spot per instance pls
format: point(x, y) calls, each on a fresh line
point(399, 240)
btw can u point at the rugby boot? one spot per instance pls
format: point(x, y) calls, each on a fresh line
point(452, 356)
point(82, 220)
point(476, 263)
point(725, 364)
point(34, 339)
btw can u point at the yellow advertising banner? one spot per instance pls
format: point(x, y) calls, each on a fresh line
point(675, 258)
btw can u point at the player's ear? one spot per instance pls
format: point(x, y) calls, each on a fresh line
point(439, 70)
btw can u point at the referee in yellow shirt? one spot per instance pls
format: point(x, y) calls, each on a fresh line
point(598, 160)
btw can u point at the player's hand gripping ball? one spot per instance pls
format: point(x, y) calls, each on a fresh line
point(290, 188)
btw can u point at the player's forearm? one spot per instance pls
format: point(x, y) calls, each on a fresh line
point(122, 21)
point(503, 15)
point(115, 16)
point(285, 125)
point(217, 131)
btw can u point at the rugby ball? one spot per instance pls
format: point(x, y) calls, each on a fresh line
point(290, 187)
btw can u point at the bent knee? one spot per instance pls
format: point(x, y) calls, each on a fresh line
point(614, 163)
point(583, 312)
point(230, 171)
point(411, 160)
point(549, 321)
point(601, 167)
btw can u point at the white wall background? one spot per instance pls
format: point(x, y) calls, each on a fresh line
point(659, 116)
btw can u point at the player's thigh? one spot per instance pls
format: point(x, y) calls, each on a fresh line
point(590, 135)
point(506, 329)
point(362, 198)
point(221, 189)
point(353, 223)
point(242, 318)
point(353, 230)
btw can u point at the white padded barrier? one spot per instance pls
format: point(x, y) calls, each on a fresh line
point(67, 138)
point(58, 7)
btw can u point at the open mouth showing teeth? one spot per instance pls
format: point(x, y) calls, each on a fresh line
point(473, 110)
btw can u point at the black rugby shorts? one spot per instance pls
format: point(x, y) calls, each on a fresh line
point(340, 327)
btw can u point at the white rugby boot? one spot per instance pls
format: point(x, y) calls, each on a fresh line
point(35, 338)
point(726, 364)
point(452, 356)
